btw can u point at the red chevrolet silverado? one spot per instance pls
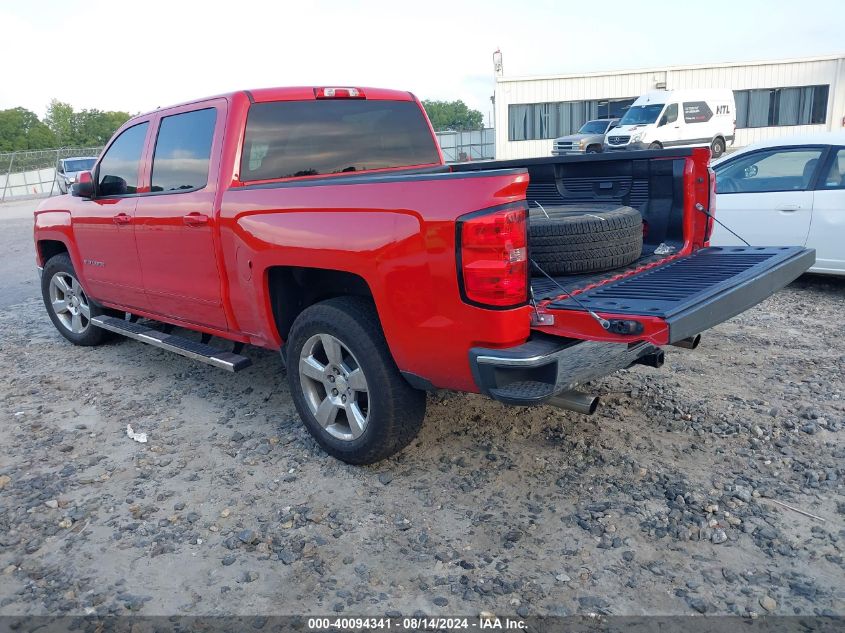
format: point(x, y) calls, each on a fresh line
point(324, 223)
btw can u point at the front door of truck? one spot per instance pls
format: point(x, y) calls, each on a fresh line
point(176, 222)
point(103, 226)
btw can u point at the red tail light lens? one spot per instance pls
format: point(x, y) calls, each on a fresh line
point(494, 257)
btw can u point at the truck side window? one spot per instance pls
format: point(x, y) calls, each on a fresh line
point(117, 174)
point(183, 151)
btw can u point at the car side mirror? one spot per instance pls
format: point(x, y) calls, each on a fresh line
point(750, 171)
point(84, 186)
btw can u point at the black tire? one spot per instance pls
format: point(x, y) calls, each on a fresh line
point(717, 147)
point(395, 410)
point(585, 239)
point(89, 335)
point(594, 149)
point(655, 145)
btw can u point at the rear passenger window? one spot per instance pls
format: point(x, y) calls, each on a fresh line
point(183, 151)
point(287, 139)
point(697, 112)
point(835, 178)
point(117, 174)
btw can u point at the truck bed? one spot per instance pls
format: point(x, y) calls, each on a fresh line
point(549, 288)
point(649, 181)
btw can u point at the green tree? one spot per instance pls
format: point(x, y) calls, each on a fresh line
point(95, 127)
point(60, 119)
point(453, 115)
point(21, 129)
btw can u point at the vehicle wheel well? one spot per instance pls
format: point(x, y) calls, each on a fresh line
point(50, 248)
point(294, 288)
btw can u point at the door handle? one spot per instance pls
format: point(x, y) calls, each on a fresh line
point(195, 219)
point(122, 218)
point(789, 208)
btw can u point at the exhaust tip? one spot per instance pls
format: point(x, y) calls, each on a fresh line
point(575, 401)
point(690, 342)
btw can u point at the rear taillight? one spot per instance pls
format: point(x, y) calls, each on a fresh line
point(493, 257)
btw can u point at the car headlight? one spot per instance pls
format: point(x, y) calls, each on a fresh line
point(582, 143)
point(636, 138)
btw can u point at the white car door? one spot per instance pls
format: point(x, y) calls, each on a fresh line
point(766, 197)
point(827, 230)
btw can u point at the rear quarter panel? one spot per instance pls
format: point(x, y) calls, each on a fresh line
point(398, 234)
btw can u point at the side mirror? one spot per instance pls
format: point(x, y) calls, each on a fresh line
point(750, 171)
point(84, 187)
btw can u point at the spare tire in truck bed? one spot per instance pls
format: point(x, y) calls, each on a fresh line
point(584, 238)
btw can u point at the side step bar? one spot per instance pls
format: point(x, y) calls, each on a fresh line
point(178, 344)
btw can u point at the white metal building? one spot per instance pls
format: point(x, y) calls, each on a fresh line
point(773, 98)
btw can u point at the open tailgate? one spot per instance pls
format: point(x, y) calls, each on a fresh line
point(692, 293)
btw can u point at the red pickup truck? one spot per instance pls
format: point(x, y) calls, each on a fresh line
point(323, 222)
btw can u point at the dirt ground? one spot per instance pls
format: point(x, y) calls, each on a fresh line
point(712, 485)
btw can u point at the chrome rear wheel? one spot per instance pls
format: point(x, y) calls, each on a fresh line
point(334, 387)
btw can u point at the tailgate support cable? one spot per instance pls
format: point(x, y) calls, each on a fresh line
point(700, 207)
point(604, 323)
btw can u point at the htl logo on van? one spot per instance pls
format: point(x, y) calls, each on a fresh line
point(723, 109)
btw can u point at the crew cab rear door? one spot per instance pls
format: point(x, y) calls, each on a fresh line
point(175, 222)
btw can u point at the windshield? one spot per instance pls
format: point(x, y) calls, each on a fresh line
point(639, 115)
point(79, 164)
point(593, 127)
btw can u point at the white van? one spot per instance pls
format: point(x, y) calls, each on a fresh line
point(677, 118)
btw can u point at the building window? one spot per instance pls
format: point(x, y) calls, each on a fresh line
point(531, 121)
point(773, 107)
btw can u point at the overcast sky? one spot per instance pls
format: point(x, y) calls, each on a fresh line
point(136, 56)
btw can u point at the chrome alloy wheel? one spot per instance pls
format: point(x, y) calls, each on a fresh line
point(334, 387)
point(69, 303)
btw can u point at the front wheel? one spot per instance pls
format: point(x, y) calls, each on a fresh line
point(655, 145)
point(717, 147)
point(345, 384)
point(68, 306)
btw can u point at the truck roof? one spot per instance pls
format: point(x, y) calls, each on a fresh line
point(293, 93)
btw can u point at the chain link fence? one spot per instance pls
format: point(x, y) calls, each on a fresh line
point(463, 146)
point(32, 173)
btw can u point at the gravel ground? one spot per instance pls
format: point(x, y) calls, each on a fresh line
point(667, 501)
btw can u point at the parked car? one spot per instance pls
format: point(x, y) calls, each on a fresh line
point(324, 223)
point(677, 118)
point(588, 140)
point(786, 190)
point(67, 170)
